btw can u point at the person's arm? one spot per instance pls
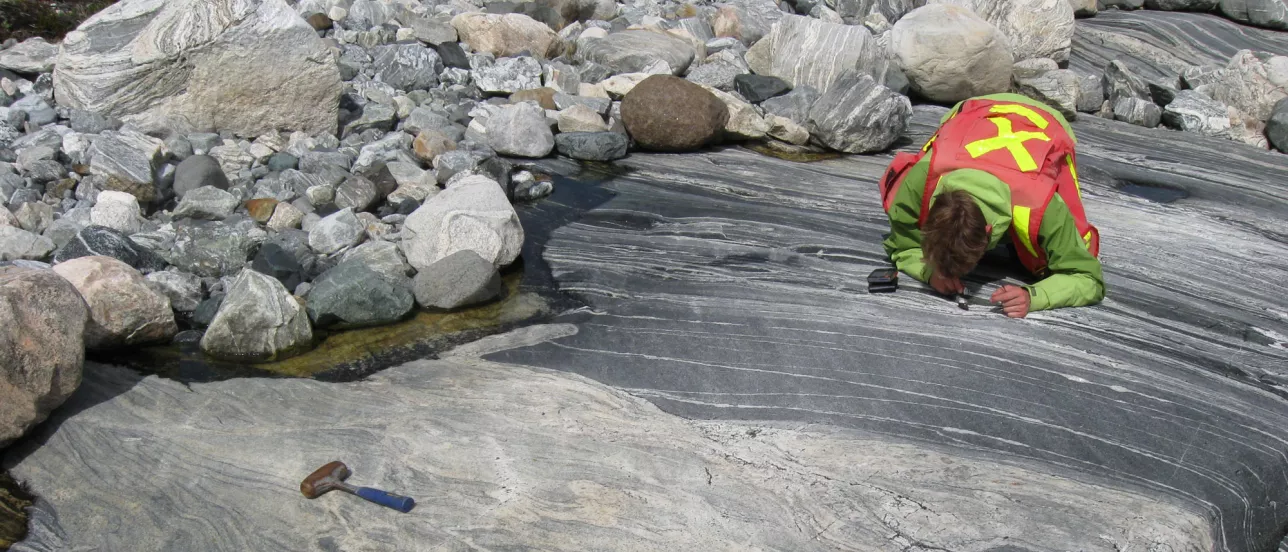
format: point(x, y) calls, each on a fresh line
point(904, 243)
point(1076, 277)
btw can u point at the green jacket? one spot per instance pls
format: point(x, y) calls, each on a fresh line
point(1076, 278)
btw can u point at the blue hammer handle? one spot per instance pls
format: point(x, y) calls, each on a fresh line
point(401, 503)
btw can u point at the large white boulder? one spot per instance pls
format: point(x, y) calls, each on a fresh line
point(471, 214)
point(246, 66)
point(949, 53)
point(1035, 28)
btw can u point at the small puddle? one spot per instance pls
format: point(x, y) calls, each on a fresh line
point(1157, 194)
point(529, 296)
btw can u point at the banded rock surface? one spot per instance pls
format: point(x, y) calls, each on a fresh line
point(510, 461)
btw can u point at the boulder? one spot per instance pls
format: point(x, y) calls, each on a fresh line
point(35, 216)
point(1034, 28)
point(16, 244)
point(1137, 112)
point(667, 113)
point(215, 248)
point(580, 118)
point(859, 115)
point(434, 30)
point(196, 172)
point(1251, 82)
point(245, 66)
point(1121, 82)
point(258, 320)
point(129, 161)
point(337, 231)
point(528, 188)
point(599, 105)
point(758, 88)
point(42, 327)
point(719, 70)
point(352, 295)
point(472, 214)
point(507, 75)
point(276, 261)
point(285, 216)
point(794, 105)
point(793, 52)
point(183, 289)
point(458, 280)
point(787, 130)
point(746, 20)
point(1247, 129)
point(374, 116)
point(104, 241)
point(592, 146)
point(356, 193)
point(520, 130)
point(744, 122)
point(206, 203)
point(544, 97)
point(118, 211)
point(1191, 111)
point(1271, 14)
point(1091, 93)
point(31, 56)
point(260, 209)
point(1058, 89)
point(950, 54)
point(506, 35)
point(124, 309)
point(1277, 126)
point(380, 256)
point(855, 12)
point(1084, 8)
point(407, 66)
point(639, 52)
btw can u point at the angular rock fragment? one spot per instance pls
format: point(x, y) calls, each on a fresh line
point(592, 146)
point(258, 320)
point(458, 280)
point(859, 115)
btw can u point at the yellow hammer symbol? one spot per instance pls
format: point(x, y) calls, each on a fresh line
point(1009, 140)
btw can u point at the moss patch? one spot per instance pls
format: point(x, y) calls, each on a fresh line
point(23, 19)
point(14, 501)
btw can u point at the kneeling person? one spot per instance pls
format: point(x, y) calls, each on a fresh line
point(999, 165)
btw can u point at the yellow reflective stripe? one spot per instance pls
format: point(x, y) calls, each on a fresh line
point(929, 142)
point(1010, 140)
point(1020, 221)
point(1074, 171)
point(1087, 238)
point(1017, 109)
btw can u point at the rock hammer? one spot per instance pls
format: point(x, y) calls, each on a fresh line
point(332, 476)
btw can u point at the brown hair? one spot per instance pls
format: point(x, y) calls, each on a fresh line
point(954, 236)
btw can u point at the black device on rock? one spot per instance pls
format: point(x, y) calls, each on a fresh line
point(883, 280)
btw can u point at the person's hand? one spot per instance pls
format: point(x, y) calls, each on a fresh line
point(1014, 299)
point(945, 285)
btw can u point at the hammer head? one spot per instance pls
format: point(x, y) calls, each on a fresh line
point(324, 479)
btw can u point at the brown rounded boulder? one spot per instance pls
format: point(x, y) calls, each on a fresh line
point(42, 323)
point(666, 113)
